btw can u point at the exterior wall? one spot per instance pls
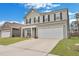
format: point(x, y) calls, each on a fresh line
point(65, 15)
point(65, 31)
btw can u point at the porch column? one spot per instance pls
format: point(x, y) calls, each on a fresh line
point(21, 32)
point(31, 32)
point(11, 32)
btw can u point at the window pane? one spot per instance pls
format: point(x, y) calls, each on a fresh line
point(58, 16)
point(30, 20)
point(54, 17)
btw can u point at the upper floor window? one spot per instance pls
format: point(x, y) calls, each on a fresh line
point(34, 20)
point(48, 17)
point(57, 16)
point(43, 18)
point(26, 21)
point(30, 20)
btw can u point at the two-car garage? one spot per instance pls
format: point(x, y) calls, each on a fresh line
point(51, 31)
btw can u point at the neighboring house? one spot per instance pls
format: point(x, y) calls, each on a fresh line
point(74, 27)
point(50, 25)
point(10, 30)
point(77, 18)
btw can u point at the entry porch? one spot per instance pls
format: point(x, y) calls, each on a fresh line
point(29, 32)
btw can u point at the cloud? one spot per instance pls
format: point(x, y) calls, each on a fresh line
point(39, 5)
point(71, 20)
point(72, 13)
point(47, 6)
point(47, 10)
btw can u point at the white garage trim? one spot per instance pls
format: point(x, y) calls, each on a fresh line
point(51, 32)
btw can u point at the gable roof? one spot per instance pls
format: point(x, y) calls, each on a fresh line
point(8, 26)
point(45, 12)
point(30, 12)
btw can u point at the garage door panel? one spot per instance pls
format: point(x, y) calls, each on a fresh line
point(50, 33)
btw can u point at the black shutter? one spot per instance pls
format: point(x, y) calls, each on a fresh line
point(60, 16)
point(43, 18)
point(48, 17)
point(38, 19)
point(54, 17)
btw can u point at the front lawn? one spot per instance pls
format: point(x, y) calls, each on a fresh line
point(7, 41)
point(66, 47)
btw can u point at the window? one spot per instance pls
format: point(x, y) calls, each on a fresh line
point(38, 19)
point(48, 17)
point(54, 17)
point(60, 16)
point(43, 18)
point(26, 21)
point(30, 20)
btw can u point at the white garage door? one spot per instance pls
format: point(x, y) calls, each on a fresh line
point(5, 33)
point(50, 33)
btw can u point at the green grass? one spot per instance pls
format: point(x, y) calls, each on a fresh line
point(7, 41)
point(65, 47)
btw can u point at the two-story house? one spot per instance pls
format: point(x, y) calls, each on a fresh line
point(49, 25)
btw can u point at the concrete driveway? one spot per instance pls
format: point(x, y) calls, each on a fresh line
point(34, 47)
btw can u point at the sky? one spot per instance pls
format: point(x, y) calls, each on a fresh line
point(15, 12)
